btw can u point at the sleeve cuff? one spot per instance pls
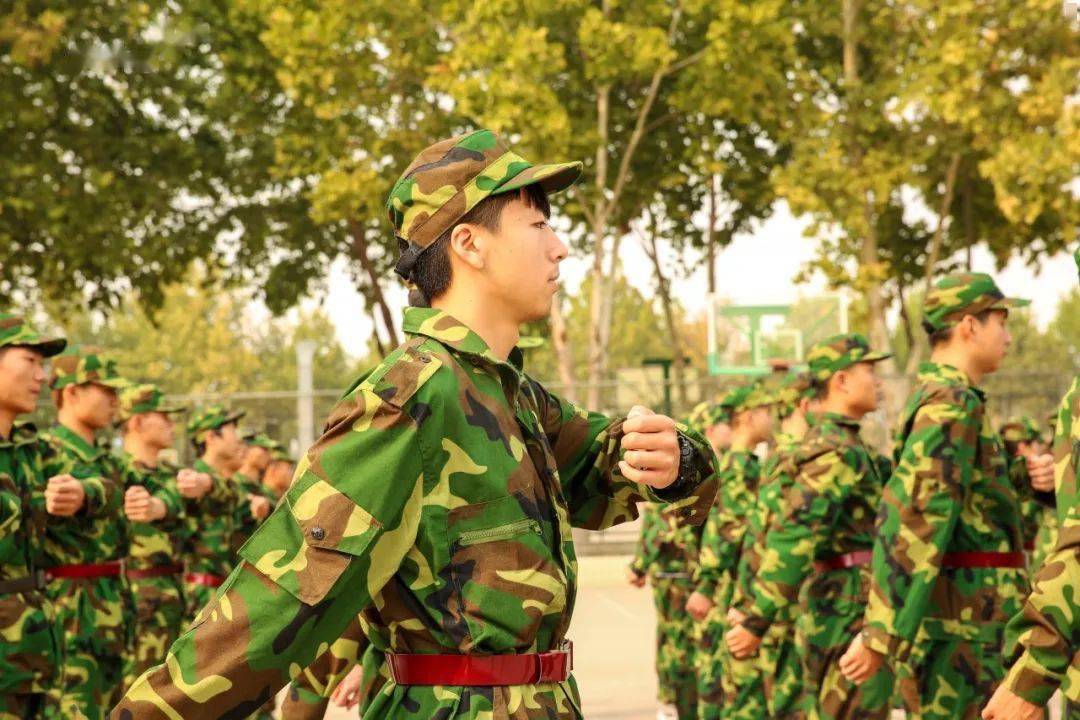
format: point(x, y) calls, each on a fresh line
point(94, 496)
point(1031, 681)
point(886, 645)
point(757, 624)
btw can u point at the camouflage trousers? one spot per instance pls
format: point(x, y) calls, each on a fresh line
point(743, 685)
point(708, 636)
point(675, 646)
point(28, 706)
point(781, 672)
point(93, 614)
point(1047, 537)
point(159, 619)
point(950, 679)
point(830, 618)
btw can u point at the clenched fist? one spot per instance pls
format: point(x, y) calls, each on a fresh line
point(193, 484)
point(260, 507)
point(698, 606)
point(650, 445)
point(1041, 470)
point(141, 506)
point(64, 496)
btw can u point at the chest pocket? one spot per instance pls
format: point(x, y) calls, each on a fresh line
point(310, 539)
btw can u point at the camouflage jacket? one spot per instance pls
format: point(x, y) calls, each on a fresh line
point(1046, 634)
point(668, 546)
point(210, 523)
point(950, 492)
point(97, 533)
point(767, 510)
point(157, 543)
point(30, 651)
point(439, 502)
point(832, 484)
point(722, 537)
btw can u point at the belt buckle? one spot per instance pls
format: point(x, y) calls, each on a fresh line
point(390, 661)
point(539, 669)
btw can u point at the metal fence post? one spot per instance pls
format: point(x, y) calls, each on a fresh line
point(305, 410)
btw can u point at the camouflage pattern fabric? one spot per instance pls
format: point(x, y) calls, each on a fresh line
point(1044, 638)
point(244, 522)
point(950, 492)
point(778, 656)
point(15, 331)
point(210, 418)
point(208, 550)
point(449, 178)
point(1046, 537)
point(439, 503)
point(159, 601)
point(136, 399)
point(827, 509)
point(1032, 504)
point(667, 552)
point(31, 653)
point(93, 612)
point(740, 681)
point(79, 364)
point(962, 294)
point(839, 352)
point(309, 693)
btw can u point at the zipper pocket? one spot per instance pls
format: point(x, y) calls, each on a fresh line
point(495, 534)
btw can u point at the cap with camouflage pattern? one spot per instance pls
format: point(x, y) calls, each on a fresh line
point(1021, 429)
point(261, 440)
point(136, 399)
point(962, 294)
point(210, 418)
point(839, 352)
point(80, 364)
point(280, 454)
point(795, 387)
point(15, 331)
point(748, 397)
point(449, 178)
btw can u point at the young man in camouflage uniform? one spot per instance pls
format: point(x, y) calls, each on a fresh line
point(213, 505)
point(1023, 441)
point(440, 499)
point(822, 536)
point(31, 651)
point(729, 688)
point(83, 550)
point(948, 567)
point(1043, 640)
point(154, 508)
point(254, 505)
point(781, 669)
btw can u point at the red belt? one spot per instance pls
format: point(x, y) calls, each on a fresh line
point(1029, 546)
point(847, 560)
point(480, 670)
point(84, 571)
point(206, 579)
point(153, 572)
point(953, 560)
point(984, 560)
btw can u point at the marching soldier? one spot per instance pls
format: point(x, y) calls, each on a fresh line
point(154, 509)
point(254, 505)
point(822, 536)
point(727, 687)
point(1022, 441)
point(781, 670)
point(87, 540)
point(948, 567)
point(439, 501)
point(31, 653)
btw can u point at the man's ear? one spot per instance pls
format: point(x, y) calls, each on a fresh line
point(467, 243)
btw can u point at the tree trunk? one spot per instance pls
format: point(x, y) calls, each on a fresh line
point(360, 252)
point(563, 356)
point(710, 241)
point(663, 291)
point(969, 218)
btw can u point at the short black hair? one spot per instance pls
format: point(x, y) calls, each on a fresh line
point(944, 335)
point(820, 388)
point(432, 272)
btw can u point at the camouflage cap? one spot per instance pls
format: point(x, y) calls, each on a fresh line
point(1020, 429)
point(748, 397)
point(136, 399)
point(280, 454)
point(261, 440)
point(839, 352)
point(80, 364)
point(795, 387)
point(449, 178)
point(962, 294)
point(210, 418)
point(15, 331)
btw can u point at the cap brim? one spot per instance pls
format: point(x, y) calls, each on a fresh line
point(234, 417)
point(171, 410)
point(1006, 303)
point(553, 178)
point(49, 347)
point(114, 383)
point(875, 357)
